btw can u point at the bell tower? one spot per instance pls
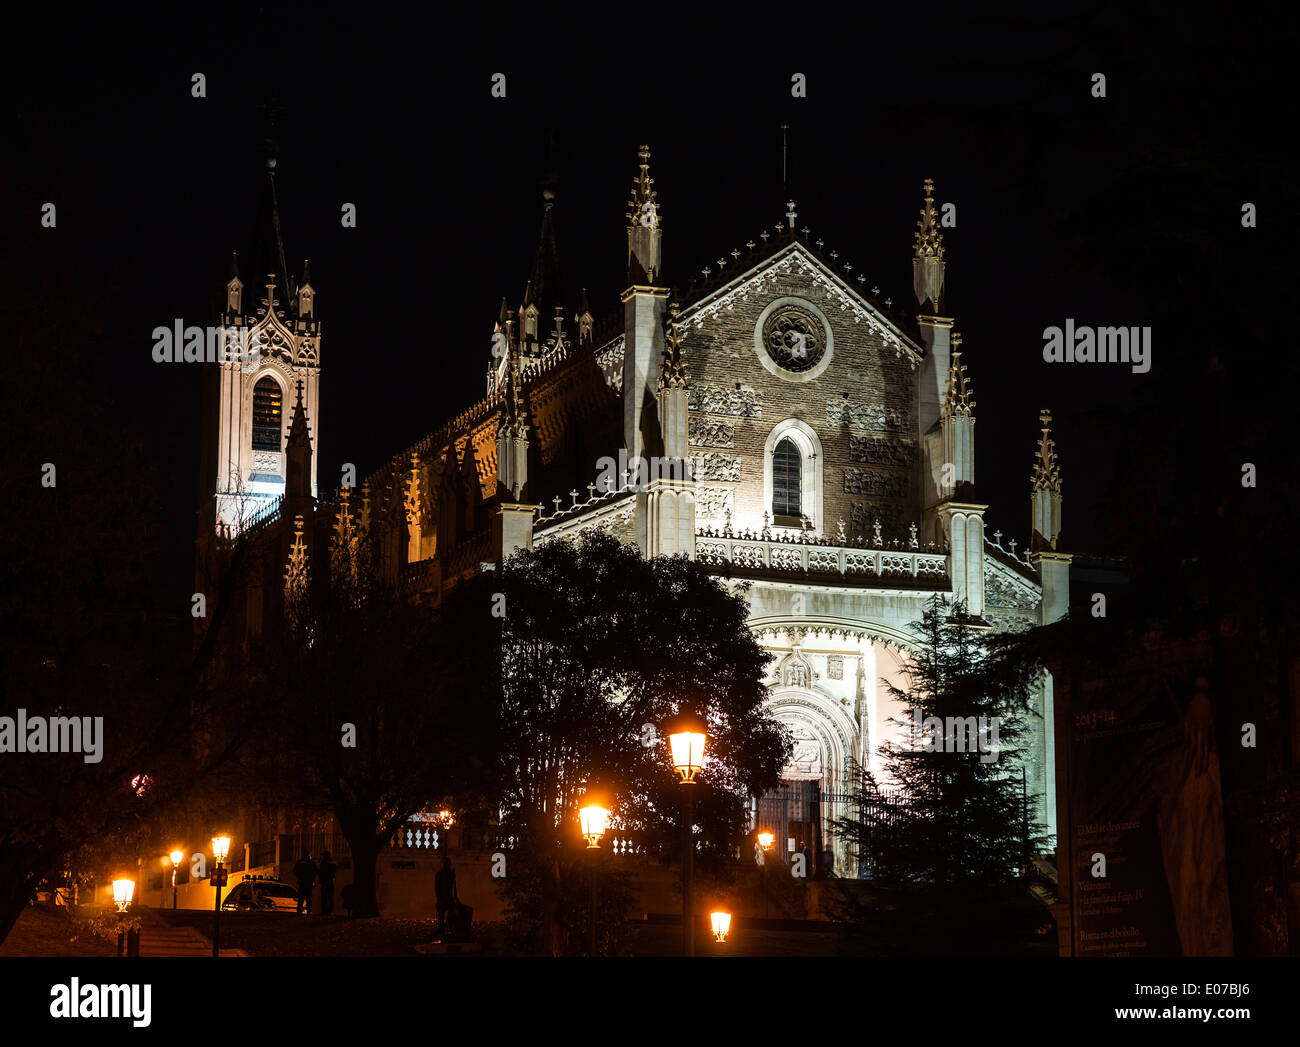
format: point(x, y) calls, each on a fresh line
point(271, 349)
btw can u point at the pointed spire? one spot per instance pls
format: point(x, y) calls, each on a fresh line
point(305, 303)
point(673, 373)
point(346, 543)
point(267, 253)
point(643, 194)
point(1045, 492)
point(957, 398)
point(929, 240)
point(296, 577)
point(644, 232)
point(234, 288)
point(927, 262)
point(298, 452)
point(1047, 472)
point(584, 319)
point(545, 274)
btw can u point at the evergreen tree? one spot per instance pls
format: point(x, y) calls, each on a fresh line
point(959, 815)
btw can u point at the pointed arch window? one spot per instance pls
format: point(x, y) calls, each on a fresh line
point(268, 415)
point(792, 476)
point(787, 484)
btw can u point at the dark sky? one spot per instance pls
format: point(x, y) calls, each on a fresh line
point(1122, 211)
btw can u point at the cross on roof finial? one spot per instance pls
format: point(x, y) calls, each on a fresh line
point(790, 214)
point(270, 301)
point(1046, 418)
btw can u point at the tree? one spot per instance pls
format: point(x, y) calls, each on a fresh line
point(959, 817)
point(599, 648)
point(373, 705)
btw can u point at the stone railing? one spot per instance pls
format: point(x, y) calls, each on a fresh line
point(1015, 558)
point(266, 516)
point(818, 557)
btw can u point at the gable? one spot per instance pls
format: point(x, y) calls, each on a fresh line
point(836, 294)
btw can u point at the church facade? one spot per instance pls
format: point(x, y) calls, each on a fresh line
point(777, 423)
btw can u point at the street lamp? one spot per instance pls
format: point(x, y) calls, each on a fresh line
point(594, 818)
point(123, 891)
point(220, 848)
point(721, 925)
point(176, 856)
point(765, 840)
point(687, 738)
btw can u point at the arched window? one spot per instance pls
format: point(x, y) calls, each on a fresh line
point(787, 484)
point(268, 403)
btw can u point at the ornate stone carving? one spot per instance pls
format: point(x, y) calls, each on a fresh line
point(714, 466)
point(999, 591)
point(882, 450)
point(797, 262)
point(835, 667)
point(609, 359)
point(714, 502)
point(713, 399)
point(864, 516)
point(1008, 621)
point(268, 463)
point(878, 485)
point(711, 432)
point(874, 416)
point(794, 339)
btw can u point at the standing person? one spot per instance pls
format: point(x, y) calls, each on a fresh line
point(326, 871)
point(444, 889)
point(305, 873)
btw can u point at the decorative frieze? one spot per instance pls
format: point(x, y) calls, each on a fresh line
point(875, 484)
point(1008, 621)
point(609, 359)
point(1000, 591)
point(881, 450)
point(874, 416)
point(863, 517)
point(715, 502)
point(711, 432)
point(714, 466)
point(713, 399)
point(268, 463)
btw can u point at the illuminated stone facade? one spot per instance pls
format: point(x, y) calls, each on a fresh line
point(830, 443)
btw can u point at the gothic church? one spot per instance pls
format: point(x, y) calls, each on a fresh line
point(822, 446)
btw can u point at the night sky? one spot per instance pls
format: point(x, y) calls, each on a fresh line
point(1122, 211)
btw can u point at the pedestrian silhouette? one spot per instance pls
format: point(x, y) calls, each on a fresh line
point(444, 889)
point(326, 870)
point(305, 873)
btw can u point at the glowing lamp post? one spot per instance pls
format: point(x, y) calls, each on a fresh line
point(220, 848)
point(123, 892)
point(721, 925)
point(177, 856)
point(594, 819)
point(765, 840)
point(686, 740)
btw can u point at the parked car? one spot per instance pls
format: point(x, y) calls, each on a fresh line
point(258, 895)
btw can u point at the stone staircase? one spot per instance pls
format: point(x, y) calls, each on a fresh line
point(159, 939)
